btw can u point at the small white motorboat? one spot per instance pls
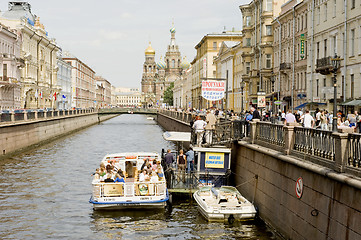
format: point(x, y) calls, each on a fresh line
point(132, 191)
point(223, 204)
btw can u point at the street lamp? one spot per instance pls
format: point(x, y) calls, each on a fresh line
point(272, 90)
point(242, 87)
point(336, 65)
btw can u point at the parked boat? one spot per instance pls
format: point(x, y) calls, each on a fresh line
point(223, 204)
point(136, 191)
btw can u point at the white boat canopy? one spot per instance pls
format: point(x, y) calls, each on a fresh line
point(177, 136)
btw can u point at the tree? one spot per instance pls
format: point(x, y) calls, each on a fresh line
point(168, 95)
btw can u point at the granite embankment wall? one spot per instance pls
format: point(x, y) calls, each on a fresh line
point(22, 135)
point(329, 207)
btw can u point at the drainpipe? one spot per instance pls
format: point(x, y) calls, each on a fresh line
point(37, 67)
point(311, 53)
point(293, 65)
point(279, 61)
point(51, 72)
point(259, 48)
point(345, 54)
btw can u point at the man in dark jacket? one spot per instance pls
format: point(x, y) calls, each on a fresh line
point(255, 113)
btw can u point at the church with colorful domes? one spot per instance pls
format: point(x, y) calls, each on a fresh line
point(157, 77)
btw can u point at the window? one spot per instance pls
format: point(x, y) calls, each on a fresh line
point(214, 45)
point(173, 63)
point(352, 44)
point(334, 45)
point(268, 30)
point(318, 50)
point(353, 3)
point(325, 12)
point(268, 60)
point(269, 6)
point(317, 88)
point(334, 7)
point(318, 15)
point(248, 67)
point(325, 48)
point(248, 21)
point(305, 20)
point(5, 72)
point(248, 42)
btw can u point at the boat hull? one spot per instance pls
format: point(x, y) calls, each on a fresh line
point(244, 211)
point(127, 205)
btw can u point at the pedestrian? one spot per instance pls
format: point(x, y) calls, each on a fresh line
point(211, 124)
point(169, 158)
point(318, 118)
point(255, 113)
point(181, 162)
point(190, 160)
point(198, 127)
point(358, 121)
point(289, 118)
point(323, 121)
point(308, 120)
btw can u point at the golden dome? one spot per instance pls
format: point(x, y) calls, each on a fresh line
point(150, 50)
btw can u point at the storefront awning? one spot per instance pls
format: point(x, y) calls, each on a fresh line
point(301, 106)
point(352, 103)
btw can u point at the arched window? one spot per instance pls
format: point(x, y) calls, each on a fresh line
point(173, 63)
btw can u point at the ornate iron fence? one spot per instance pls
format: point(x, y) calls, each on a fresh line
point(270, 133)
point(354, 150)
point(314, 142)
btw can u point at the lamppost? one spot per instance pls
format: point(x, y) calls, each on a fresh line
point(272, 90)
point(336, 65)
point(242, 87)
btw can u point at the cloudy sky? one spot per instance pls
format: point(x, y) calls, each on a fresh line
point(111, 35)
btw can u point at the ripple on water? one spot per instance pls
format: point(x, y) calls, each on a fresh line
point(44, 193)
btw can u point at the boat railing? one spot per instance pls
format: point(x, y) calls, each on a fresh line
point(130, 189)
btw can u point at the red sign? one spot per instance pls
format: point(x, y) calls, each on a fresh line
point(299, 187)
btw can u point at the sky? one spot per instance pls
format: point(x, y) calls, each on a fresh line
point(111, 36)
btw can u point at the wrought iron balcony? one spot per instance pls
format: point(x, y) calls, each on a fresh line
point(285, 66)
point(324, 65)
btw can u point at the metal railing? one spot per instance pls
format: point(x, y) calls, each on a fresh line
point(354, 150)
point(314, 142)
point(270, 133)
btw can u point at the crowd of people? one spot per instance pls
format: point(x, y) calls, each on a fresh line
point(112, 173)
point(205, 120)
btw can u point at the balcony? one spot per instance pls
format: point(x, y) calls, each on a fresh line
point(285, 66)
point(324, 66)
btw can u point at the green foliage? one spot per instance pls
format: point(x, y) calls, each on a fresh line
point(168, 95)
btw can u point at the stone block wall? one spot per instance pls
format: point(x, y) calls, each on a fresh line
point(328, 209)
point(23, 135)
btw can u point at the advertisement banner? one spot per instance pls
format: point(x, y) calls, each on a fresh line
point(214, 160)
point(261, 101)
point(302, 47)
point(213, 90)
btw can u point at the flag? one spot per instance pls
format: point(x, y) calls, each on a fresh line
point(41, 94)
point(54, 96)
point(36, 94)
point(64, 96)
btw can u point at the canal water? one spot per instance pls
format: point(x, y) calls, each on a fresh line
point(44, 193)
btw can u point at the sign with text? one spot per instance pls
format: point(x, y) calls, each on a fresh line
point(261, 101)
point(302, 46)
point(214, 160)
point(213, 90)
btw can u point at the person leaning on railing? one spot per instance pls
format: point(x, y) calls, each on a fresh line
point(307, 120)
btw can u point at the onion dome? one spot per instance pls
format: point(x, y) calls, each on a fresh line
point(149, 50)
point(172, 30)
point(161, 64)
point(185, 64)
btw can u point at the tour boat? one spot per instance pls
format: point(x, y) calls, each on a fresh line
point(223, 204)
point(132, 193)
